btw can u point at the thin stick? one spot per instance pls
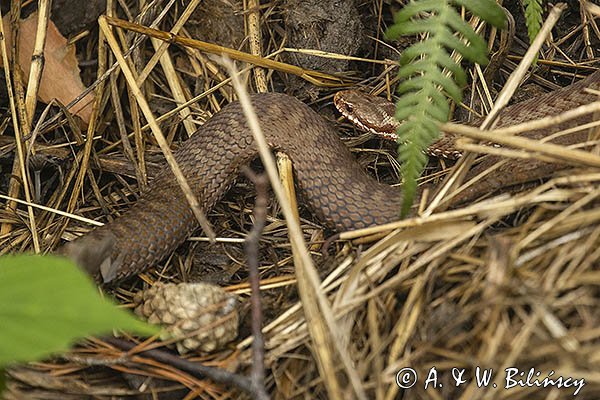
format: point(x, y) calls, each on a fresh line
point(175, 85)
point(196, 369)
point(252, 252)
point(18, 138)
point(37, 59)
point(562, 153)
point(53, 210)
point(255, 41)
point(164, 46)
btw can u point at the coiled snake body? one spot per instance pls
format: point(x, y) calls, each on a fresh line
point(341, 194)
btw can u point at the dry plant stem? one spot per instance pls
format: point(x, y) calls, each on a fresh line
point(337, 56)
point(140, 145)
point(37, 59)
point(164, 146)
point(169, 69)
point(19, 142)
point(516, 77)
point(121, 125)
point(176, 89)
point(286, 176)
point(315, 77)
point(251, 247)
point(253, 19)
point(592, 8)
point(53, 210)
point(484, 208)
point(464, 164)
point(557, 152)
point(162, 48)
point(533, 125)
point(196, 369)
point(13, 184)
point(586, 32)
point(314, 301)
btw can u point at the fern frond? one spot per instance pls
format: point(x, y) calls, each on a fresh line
point(430, 75)
point(533, 17)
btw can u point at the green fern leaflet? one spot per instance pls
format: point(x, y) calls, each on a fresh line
point(533, 17)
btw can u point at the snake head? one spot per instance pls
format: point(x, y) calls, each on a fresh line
point(369, 113)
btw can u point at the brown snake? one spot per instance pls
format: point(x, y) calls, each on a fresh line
point(340, 193)
point(376, 115)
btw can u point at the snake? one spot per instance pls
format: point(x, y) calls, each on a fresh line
point(337, 189)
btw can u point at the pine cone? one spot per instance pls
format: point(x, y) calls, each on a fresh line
point(200, 316)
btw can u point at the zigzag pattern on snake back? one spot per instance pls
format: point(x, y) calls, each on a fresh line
point(338, 190)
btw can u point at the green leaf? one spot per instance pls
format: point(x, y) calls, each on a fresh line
point(470, 52)
point(420, 26)
point(433, 95)
point(488, 10)
point(413, 162)
point(2, 381)
point(454, 21)
point(424, 49)
point(414, 8)
point(47, 303)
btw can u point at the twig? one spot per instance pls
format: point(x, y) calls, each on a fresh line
point(52, 210)
point(162, 47)
point(196, 369)
point(251, 248)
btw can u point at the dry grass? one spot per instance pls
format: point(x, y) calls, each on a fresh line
point(508, 282)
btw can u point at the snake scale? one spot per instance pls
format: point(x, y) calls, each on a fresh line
point(338, 190)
